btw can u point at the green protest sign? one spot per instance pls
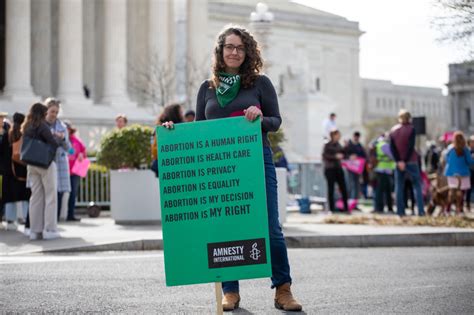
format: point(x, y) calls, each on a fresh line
point(213, 201)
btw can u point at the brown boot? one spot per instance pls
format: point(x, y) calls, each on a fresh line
point(284, 300)
point(230, 301)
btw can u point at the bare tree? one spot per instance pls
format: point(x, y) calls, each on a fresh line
point(153, 82)
point(456, 24)
point(197, 71)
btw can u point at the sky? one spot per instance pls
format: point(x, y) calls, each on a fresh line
point(399, 43)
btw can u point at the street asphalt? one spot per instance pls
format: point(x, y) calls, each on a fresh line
point(421, 280)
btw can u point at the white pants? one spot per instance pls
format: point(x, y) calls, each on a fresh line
point(43, 200)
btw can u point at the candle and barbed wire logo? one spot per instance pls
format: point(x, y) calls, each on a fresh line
point(255, 252)
point(237, 253)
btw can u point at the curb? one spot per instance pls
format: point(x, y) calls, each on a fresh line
point(318, 241)
point(382, 240)
point(153, 244)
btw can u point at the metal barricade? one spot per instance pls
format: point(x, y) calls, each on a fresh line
point(307, 179)
point(95, 187)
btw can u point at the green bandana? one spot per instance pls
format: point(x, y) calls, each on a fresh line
point(228, 88)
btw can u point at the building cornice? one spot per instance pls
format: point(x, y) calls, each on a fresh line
point(314, 22)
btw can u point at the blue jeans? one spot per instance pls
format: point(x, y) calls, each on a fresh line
point(414, 171)
point(279, 255)
point(11, 210)
point(71, 205)
point(354, 185)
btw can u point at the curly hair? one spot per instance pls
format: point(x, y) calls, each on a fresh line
point(253, 62)
point(459, 143)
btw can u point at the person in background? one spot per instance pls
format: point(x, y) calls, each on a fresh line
point(237, 88)
point(458, 162)
point(19, 194)
point(333, 153)
point(59, 131)
point(6, 172)
point(402, 145)
point(189, 116)
point(354, 150)
point(44, 197)
point(78, 154)
point(121, 121)
point(328, 125)
point(174, 113)
point(432, 157)
point(384, 167)
point(471, 168)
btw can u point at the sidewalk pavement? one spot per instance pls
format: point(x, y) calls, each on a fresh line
point(301, 231)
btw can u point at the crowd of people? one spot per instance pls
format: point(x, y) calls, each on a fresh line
point(393, 168)
point(44, 194)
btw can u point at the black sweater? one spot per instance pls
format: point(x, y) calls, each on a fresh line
point(331, 149)
point(262, 95)
point(42, 133)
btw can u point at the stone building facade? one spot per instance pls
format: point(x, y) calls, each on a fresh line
point(461, 96)
point(382, 101)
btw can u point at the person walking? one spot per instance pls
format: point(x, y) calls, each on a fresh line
point(458, 162)
point(78, 154)
point(59, 131)
point(237, 88)
point(402, 145)
point(43, 200)
point(333, 153)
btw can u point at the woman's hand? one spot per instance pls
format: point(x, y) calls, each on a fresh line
point(168, 125)
point(252, 113)
point(60, 135)
point(339, 156)
point(80, 157)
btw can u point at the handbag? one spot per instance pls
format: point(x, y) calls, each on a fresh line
point(80, 167)
point(36, 152)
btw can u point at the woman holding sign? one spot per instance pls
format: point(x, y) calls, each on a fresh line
point(237, 88)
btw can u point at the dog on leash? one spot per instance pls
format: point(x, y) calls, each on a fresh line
point(439, 191)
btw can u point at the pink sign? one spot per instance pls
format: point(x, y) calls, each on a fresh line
point(355, 166)
point(80, 167)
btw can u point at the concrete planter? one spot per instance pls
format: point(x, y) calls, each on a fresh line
point(134, 197)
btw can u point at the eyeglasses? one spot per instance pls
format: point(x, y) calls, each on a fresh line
point(230, 48)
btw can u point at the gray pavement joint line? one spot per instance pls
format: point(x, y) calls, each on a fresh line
point(404, 240)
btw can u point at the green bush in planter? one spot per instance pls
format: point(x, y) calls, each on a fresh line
point(128, 147)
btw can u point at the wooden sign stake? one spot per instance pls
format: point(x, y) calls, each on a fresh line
point(219, 298)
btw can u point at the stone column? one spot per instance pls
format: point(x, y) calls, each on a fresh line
point(70, 59)
point(18, 49)
point(198, 56)
point(456, 109)
point(115, 54)
point(161, 47)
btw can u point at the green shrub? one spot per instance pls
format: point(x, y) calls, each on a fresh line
point(128, 147)
point(276, 139)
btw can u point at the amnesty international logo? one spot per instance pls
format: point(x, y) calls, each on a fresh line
point(237, 253)
point(255, 253)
